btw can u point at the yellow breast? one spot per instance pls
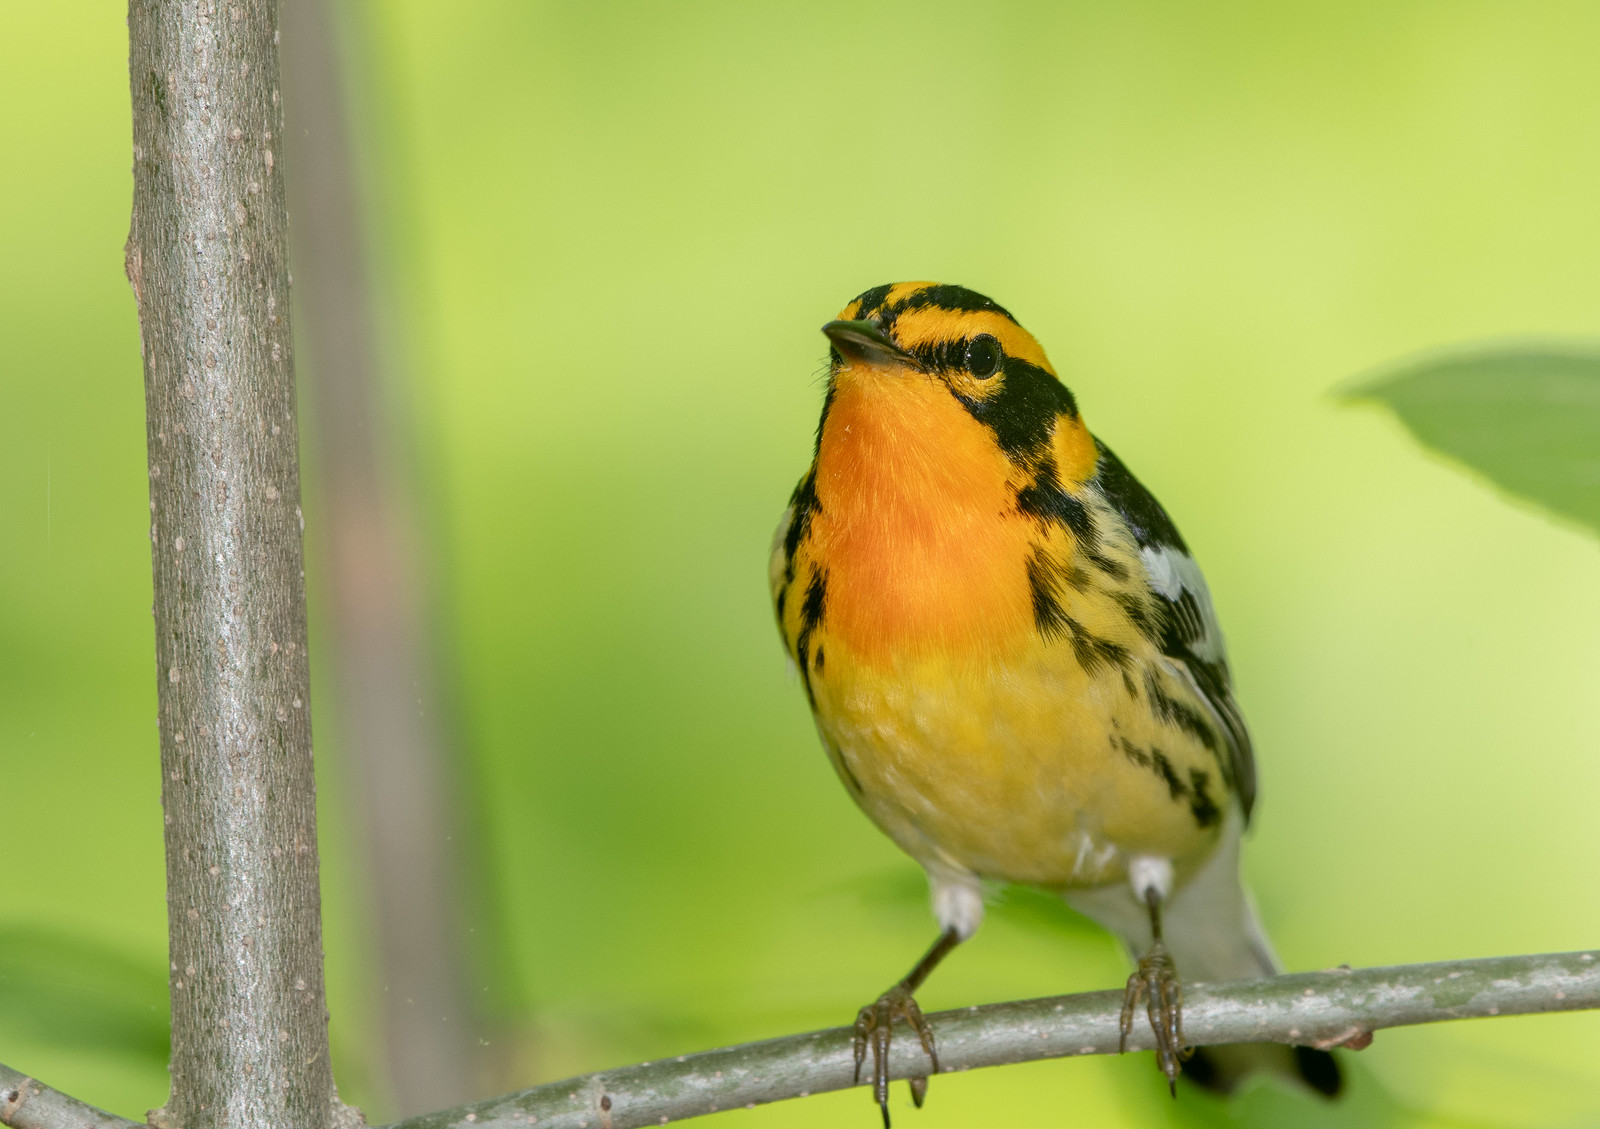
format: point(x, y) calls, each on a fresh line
point(1026, 771)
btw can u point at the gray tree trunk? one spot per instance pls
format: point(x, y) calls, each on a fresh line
point(207, 258)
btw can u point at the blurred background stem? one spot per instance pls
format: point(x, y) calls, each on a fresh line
point(398, 753)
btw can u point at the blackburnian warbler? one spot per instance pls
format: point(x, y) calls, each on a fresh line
point(1015, 666)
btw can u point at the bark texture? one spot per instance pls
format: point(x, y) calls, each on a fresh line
point(1339, 1007)
point(207, 258)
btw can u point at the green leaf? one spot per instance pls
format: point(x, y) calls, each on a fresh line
point(75, 991)
point(1526, 417)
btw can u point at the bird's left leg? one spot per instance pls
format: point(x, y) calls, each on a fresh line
point(876, 1020)
point(1155, 981)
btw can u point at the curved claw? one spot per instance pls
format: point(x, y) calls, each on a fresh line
point(874, 1026)
point(1155, 983)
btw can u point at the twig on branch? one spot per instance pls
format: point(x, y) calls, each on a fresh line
point(1338, 1007)
point(26, 1104)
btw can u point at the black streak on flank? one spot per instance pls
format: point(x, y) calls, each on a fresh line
point(1105, 564)
point(1206, 813)
point(1194, 791)
point(811, 613)
point(1093, 653)
point(1170, 711)
point(804, 501)
point(1133, 752)
point(1047, 614)
point(1165, 769)
point(1046, 501)
point(802, 504)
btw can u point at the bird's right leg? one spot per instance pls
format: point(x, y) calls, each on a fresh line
point(1155, 981)
point(875, 1022)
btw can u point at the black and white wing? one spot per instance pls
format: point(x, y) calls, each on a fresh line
point(1189, 634)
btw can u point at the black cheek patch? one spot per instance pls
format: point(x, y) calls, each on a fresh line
point(1022, 411)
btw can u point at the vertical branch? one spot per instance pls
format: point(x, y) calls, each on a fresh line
point(207, 258)
point(387, 707)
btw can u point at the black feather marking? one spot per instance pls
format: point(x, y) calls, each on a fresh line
point(1094, 653)
point(1112, 568)
point(1179, 626)
point(1133, 752)
point(1045, 500)
point(1164, 768)
point(1240, 768)
point(1194, 791)
point(834, 361)
point(804, 501)
point(874, 304)
point(956, 299)
point(869, 302)
point(1171, 711)
point(1138, 614)
point(1022, 411)
point(1048, 617)
point(1206, 812)
point(1138, 507)
point(811, 613)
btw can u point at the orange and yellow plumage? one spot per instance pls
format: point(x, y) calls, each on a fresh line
point(1011, 657)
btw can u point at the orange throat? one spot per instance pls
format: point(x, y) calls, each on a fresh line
point(917, 527)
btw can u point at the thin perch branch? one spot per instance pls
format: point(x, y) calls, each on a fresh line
point(27, 1104)
point(1338, 1007)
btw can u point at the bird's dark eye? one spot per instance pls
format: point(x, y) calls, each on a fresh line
point(983, 356)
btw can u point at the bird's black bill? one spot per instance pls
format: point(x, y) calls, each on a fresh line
point(866, 342)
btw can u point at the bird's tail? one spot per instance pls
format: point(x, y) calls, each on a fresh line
point(1212, 932)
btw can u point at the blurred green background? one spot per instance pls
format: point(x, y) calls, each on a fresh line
point(609, 232)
